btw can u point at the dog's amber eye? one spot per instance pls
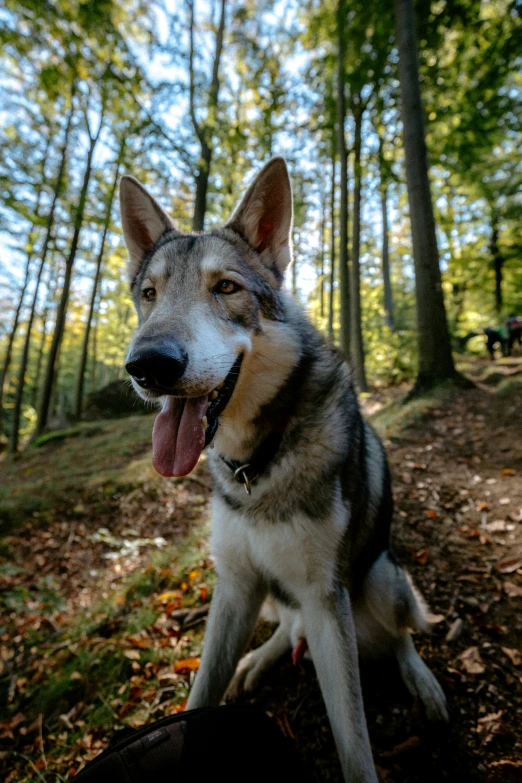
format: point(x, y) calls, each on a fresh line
point(149, 294)
point(226, 287)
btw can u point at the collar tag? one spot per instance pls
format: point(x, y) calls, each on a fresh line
point(241, 476)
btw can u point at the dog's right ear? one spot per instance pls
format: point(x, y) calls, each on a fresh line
point(143, 221)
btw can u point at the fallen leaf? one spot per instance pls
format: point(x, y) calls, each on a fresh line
point(203, 593)
point(175, 708)
point(505, 771)
point(142, 643)
point(488, 726)
point(508, 472)
point(169, 595)
point(421, 557)
point(498, 526)
point(455, 630)
point(504, 501)
point(471, 661)
point(412, 743)
point(132, 655)
point(431, 514)
point(513, 655)
point(186, 665)
point(512, 590)
point(194, 574)
point(509, 566)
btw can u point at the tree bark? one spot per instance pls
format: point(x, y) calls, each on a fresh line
point(498, 262)
point(357, 347)
point(52, 361)
point(204, 132)
point(13, 440)
point(51, 287)
point(386, 273)
point(332, 252)
point(344, 272)
point(321, 270)
point(435, 358)
point(78, 398)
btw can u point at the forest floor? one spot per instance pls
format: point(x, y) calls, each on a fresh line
point(105, 579)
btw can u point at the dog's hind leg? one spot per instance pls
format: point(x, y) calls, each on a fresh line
point(394, 602)
point(255, 663)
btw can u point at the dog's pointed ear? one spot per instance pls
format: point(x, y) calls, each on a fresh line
point(264, 216)
point(143, 221)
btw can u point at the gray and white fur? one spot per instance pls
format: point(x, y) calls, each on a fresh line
point(311, 544)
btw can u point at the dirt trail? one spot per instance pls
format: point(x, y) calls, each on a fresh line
point(457, 471)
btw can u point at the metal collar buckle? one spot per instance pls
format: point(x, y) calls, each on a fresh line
point(241, 471)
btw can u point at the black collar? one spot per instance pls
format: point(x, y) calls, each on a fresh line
point(280, 412)
point(247, 472)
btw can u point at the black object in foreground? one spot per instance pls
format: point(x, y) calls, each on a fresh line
point(235, 744)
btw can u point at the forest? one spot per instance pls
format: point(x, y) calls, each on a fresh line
point(401, 127)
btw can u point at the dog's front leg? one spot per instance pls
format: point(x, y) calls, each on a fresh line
point(330, 633)
point(235, 606)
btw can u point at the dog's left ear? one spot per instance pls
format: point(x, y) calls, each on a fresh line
point(264, 216)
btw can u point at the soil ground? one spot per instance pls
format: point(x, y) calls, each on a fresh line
point(105, 580)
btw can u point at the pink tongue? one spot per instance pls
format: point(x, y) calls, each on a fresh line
point(178, 436)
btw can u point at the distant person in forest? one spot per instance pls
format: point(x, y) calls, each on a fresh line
point(513, 332)
point(493, 338)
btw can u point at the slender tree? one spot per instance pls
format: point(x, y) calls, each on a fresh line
point(435, 358)
point(204, 130)
point(344, 272)
point(15, 427)
point(52, 360)
point(78, 399)
point(357, 347)
point(331, 287)
point(31, 251)
point(386, 273)
point(51, 286)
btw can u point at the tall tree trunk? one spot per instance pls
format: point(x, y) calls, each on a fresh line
point(78, 398)
point(23, 289)
point(344, 272)
point(498, 261)
point(52, 360)
point(386, 274)
point(204, 131)
point(13, 440)
point(51, 287)
point(332, 252)
point(357, 347)
point(435, 358)
point(94, 352)
point(321, 270)
point(12, 335)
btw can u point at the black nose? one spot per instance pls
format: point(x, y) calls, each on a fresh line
point(158, 366)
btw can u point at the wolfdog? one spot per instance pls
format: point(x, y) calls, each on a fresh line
point(302, 502)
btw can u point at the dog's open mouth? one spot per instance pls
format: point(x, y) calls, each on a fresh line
point(186, 425)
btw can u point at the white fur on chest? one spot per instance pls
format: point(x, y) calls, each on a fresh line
point(299, 553)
